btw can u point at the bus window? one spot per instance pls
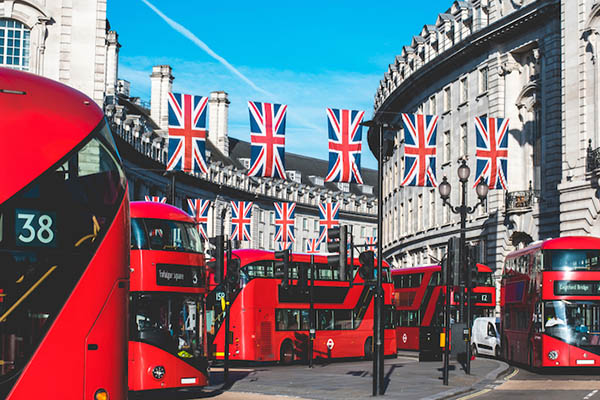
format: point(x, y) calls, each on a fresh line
point(304, 320)
point(325, 319)
point(324, 272)
point(436, 279)
point(138, 235)
point(287, 320)
point(259, 269)
point(343, 319)
point(571, 260)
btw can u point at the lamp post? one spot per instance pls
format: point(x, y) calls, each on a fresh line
point(381, 148)
point(482, 190)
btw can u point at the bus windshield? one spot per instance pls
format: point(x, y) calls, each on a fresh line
point(575, 322)
point(572, 260)
point(484, 279)
point(168, 321)
point(167, 235)
point(49, 232)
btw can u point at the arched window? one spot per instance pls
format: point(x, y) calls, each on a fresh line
point(14, 44)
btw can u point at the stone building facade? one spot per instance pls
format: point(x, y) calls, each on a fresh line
point(71, 41)
point(532, 61)
point(68, 41)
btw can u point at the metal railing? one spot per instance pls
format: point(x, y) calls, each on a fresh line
point(593, 157)
point(522, 200)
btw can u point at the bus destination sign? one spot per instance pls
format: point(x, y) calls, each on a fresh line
point(178, 275)
point(577, 288)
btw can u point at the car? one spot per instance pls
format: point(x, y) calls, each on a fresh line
point(485, 337)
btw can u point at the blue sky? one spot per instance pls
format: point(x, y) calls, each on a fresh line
point(309, 55)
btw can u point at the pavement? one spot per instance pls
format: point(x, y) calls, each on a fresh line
point(405, 378)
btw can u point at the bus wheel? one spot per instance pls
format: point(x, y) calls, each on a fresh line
point(369, 348)
point(286, 354)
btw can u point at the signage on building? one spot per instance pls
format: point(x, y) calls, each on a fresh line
point(178, 275)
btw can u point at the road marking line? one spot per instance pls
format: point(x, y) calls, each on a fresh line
point(590, 395)
point(516, 371)
point(472, 395)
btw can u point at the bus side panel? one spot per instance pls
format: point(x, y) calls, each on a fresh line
point(107, 334)
point(56, 369)
point(407, 337)
point(146, 357)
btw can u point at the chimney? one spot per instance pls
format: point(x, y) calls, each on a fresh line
point(112, 62)
point(162, 84)
point(217, 122)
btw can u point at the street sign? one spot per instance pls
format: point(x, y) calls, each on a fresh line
point(330, 344)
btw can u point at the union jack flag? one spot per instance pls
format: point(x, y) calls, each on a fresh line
point(345, 144)
point(284, 246)
point(241, 217)
point(312, 246)
point(492, 151)
point(285, 218)
point(199, 211)
point(187, 133)
point(328, 218)
point(156, 199)
point(371, 244)
point(419, 149)
point(267, 137)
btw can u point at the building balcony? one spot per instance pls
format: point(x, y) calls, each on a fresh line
point(593, 158)
point(521, 201)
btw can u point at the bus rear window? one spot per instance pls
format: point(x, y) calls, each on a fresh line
point(572, 260)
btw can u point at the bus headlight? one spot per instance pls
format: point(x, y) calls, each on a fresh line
point(158, 372)
point(101, 394)
point(553, 355)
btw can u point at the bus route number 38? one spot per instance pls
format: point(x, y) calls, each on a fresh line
point(35, 228)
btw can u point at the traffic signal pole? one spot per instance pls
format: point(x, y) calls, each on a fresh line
point(378, 332)
point(311, 338)
point(227, 307)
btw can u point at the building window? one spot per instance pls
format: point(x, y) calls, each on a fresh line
point(463, 141)
point(316, 225)
point(14, 44)
point(447, 147)
point(432, 208)
point(420, 212)
point(464, 90)
point(483, 80)
point(409, 224)
point(447, 99)
point(272, 217)
point(305, 223)
point(432, 105)
point(401, 222)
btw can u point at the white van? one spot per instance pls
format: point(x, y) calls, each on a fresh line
point(485, 338)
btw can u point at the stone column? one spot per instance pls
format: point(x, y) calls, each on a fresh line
point(162, 84)
point(218, 104)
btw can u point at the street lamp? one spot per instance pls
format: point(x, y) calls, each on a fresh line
point(482, 190)
point(383, 148)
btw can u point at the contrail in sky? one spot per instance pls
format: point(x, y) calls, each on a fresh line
point(186, 32)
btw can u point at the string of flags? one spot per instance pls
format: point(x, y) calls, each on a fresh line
point(187, 143)
point(285, 220)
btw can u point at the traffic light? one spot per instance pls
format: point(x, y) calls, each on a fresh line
point(339, 246)
point(218, 242)
point(367, 261)
point(233, 267)
point(282, 268)
point(451, 267)
point(474, 256)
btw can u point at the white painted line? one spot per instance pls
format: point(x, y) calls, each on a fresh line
point(589, 396)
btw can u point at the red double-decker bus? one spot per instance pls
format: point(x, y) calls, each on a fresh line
point(64, 229)
point(550, 303)
point(419, 301)
point(271, 323)
point(167, 333)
